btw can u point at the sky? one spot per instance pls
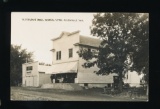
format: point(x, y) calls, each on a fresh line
point(34, 30)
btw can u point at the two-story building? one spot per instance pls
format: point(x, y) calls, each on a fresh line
point(67, 65)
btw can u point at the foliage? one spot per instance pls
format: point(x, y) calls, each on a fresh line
point(124, 43)
point(18, 56)
point(140, 56)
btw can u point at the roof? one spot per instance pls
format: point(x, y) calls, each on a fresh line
point(43, 68)
point(68, 67)
point(30, 62)
point(67, 33)
point(89, 41)
point(84, 40)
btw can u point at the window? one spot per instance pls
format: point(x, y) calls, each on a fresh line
point(58, 55)
point(86, 84)
point(109, 85)
point(70, 53)
point(29, 68)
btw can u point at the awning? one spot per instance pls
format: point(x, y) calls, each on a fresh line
point(68, 67)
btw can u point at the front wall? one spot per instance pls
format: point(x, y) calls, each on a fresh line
point(30, 79)
point(63, 44)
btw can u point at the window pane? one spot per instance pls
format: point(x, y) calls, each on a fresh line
point(59, 55)
point(29, 68)
point(56, 55)
point(70, 53)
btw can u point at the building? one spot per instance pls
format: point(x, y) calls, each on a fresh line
point(133, 79)
point(34, 74)
point(67, 65)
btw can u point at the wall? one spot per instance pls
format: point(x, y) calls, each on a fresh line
point(31, 81)
point(63, 44)
point(133, 78)
point(95, 85)
point(87, 75)
point(44, 78)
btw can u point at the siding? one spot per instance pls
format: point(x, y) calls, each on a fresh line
point(133, 78)
point(30, 79)
point(87, 75)
point(63, 44)
point(44, 78)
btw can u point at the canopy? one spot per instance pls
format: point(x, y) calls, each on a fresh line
point(68, 67)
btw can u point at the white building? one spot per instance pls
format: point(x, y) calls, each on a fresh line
point(67, 65)
point(132, 78)
point(33, 74)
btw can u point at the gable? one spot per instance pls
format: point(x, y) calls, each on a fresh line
point(65, 34)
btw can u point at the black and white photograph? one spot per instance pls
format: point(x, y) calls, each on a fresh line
point(79, 56)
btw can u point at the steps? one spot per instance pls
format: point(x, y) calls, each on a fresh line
point(65, 86)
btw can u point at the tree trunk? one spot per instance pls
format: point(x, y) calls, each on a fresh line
point(120, 82)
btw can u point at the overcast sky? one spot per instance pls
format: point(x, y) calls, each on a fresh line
point(34, 31)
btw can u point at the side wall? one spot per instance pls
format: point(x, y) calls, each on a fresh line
point(87, 75)
point(44, 78)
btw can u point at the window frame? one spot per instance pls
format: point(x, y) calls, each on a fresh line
point(70, 52)
point(58, 55)
point(29, 68)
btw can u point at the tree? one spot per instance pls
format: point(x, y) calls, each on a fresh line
point(18, 56)
point(123, 35)
point(140, 56)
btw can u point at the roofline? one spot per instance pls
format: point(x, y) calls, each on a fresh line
point(73, 33)
point(85, 45)
point(30, 62)
point(58, 36)
point(63, 33)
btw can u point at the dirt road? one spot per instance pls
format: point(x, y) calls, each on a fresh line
point(38, 94)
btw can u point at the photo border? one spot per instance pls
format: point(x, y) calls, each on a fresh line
point(75, 6)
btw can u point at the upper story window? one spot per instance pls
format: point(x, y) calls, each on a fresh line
point(70, 53)
point(58, 55)
point(29, 68)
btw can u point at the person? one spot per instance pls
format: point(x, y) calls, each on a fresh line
point(51, 77)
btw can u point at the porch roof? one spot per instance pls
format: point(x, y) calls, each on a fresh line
point(68, 67)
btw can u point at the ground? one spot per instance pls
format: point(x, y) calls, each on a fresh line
point(39, 94)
